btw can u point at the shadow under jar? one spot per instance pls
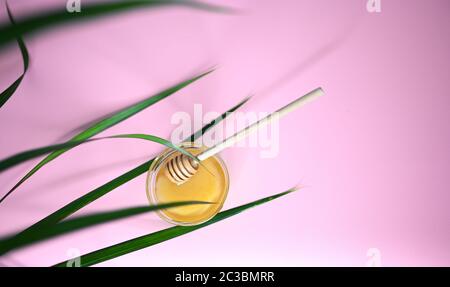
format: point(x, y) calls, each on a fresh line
point(210, 183)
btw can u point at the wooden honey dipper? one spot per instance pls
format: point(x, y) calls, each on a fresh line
point(181, 168)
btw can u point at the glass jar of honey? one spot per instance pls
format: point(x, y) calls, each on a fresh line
point(210, 183)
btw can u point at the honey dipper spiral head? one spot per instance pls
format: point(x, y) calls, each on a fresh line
point(181, 168)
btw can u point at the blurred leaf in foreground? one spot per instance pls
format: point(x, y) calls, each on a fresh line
point(48, 19)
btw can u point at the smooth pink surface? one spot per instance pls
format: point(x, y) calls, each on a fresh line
point(373, 152)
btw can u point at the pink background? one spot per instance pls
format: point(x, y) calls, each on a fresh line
point(373, 152)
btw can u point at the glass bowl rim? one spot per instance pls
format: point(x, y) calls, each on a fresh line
point(157, 164)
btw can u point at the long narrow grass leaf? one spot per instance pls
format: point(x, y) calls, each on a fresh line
point(211, 124)
point(33, 153)
point(107, 123)
point(23, 239)
point(6, 94)
point(151, 239)
point(44, 20)
point(100, 191)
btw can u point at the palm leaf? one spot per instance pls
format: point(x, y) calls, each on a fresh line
point(162, 235)
point(6, 94)
point(10, 243)
point(107, 123)
point(39, 22)
point(95, 194)
point(29, 154)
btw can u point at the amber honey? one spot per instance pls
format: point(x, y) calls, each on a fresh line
point(210, 184)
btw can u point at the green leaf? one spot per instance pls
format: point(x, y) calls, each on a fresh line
point(13, 242)
point(27, 155)
point(48, 19)
point(107, 123)
point(95, 194)
point(6, 94)
point(162, 235)
point(206, 127)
